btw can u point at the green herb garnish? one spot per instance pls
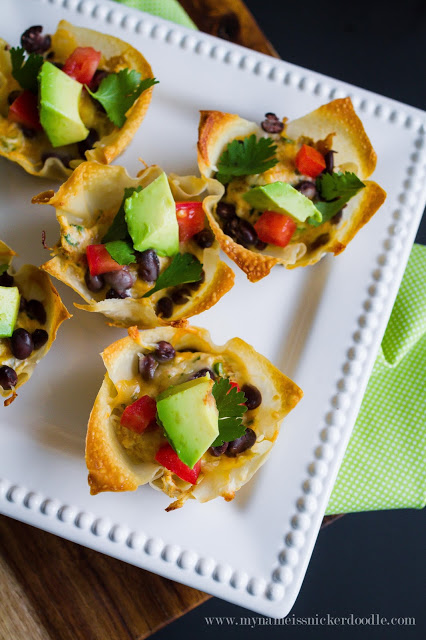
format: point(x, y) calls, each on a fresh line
point(118, 229)
point(120, 251)
point(118, 91)
point(3, 268)
point(25, 71)
point(336, 189)
point(70, 241)
point(184, 268)
point(229, 403)
point(218, 368)
point(246, 157)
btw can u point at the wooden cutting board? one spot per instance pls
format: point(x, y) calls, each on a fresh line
point(54, 589)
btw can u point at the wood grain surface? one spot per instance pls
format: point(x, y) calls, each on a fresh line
point(52, 589)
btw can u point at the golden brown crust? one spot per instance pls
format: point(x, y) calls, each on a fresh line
point(110, 467)
point(116, 55)
point(32, 283)
point(92, 196)
point(354, 150)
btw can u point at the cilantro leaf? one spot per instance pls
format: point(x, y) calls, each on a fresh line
point(246, 157)
point(337, 189)
point(25, 71)
point(3, 268)
point(184, 267)
point(231, 409)
point(118, 229)
point(336, 185)
point(121, 252)
point(118, 91)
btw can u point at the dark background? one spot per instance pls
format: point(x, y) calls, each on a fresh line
point(371, 562)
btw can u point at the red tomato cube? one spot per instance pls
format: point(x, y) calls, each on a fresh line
point(82, 64)
point(309, 161)
point(24, 110)
point(190, 217)
point(139, 415)
point(275, 228)
point(100, 261)
point(168, 457)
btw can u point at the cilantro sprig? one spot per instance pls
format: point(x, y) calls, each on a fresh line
point(118, 229)
point(25, 70)
point(120, 251)
point(336, 189)
point(229, 403)
point(246, 157)
point(184, 268)
point(118, 92)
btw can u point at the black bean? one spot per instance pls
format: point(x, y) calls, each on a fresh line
point(319, 241)
point(87, 144)
point(50, 55)
point(94, 283)
point(59, 65)
point(28, 133)
point(147, 366)
point(112, 294)
point(307, 188)
point(194, 286)
point(336, 218)
point(97, 79)
point(13, 95)
point(241, 444)
point(253, 396)
point(225, 210)
point(164, 307)
point(148, 265)
point(259, 245)
point(217, 451)
point(21, 343)
point(6, 280)
point(8, 377)
point(164, 351)
point(40, 337)
point(33, 41)
point(204, 238)
point(329, 161)
point(64, 158)
point(120, 280)
point(36, 311)
point(202, 373)
point(272, 124)
point(22, 303)
point(180, 296)
point(246, 232)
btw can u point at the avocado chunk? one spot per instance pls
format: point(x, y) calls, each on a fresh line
point(59, 102)
point(9, 308)
point(151, 218)
point(282, 198)
point(190, 418)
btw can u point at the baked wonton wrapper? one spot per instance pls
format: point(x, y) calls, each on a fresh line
point(116, 55)
point(33, 284)
point(124, 465)
point(354, 153)
point(85, 207)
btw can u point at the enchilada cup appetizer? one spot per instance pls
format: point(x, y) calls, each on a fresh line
point(137, 250)
point(291, 191)
point(31, 313)
point(190, 418)
point(76, 94)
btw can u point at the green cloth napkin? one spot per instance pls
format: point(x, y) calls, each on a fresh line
point(385, 463)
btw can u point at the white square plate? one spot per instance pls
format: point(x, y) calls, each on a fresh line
point(322, 326)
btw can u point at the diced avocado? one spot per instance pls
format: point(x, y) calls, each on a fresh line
point(190, 417)
point(9, 308)
point(282, 198)
point(59, 103)
point(151, 218)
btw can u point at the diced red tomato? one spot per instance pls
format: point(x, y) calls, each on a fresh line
point(25, 110)
point(82, 64)
point(170, 459)
point(309, 161)
point(139, 415)
point(99, 260)
point(275, 228)
point(190, 217)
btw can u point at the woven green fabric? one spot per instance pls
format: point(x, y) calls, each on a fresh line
point(385, 464)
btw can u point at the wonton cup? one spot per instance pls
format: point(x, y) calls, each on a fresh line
point(32, 284)
point(85, 207)
point(116, 55)
point(354, 153)
point(112, 468)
